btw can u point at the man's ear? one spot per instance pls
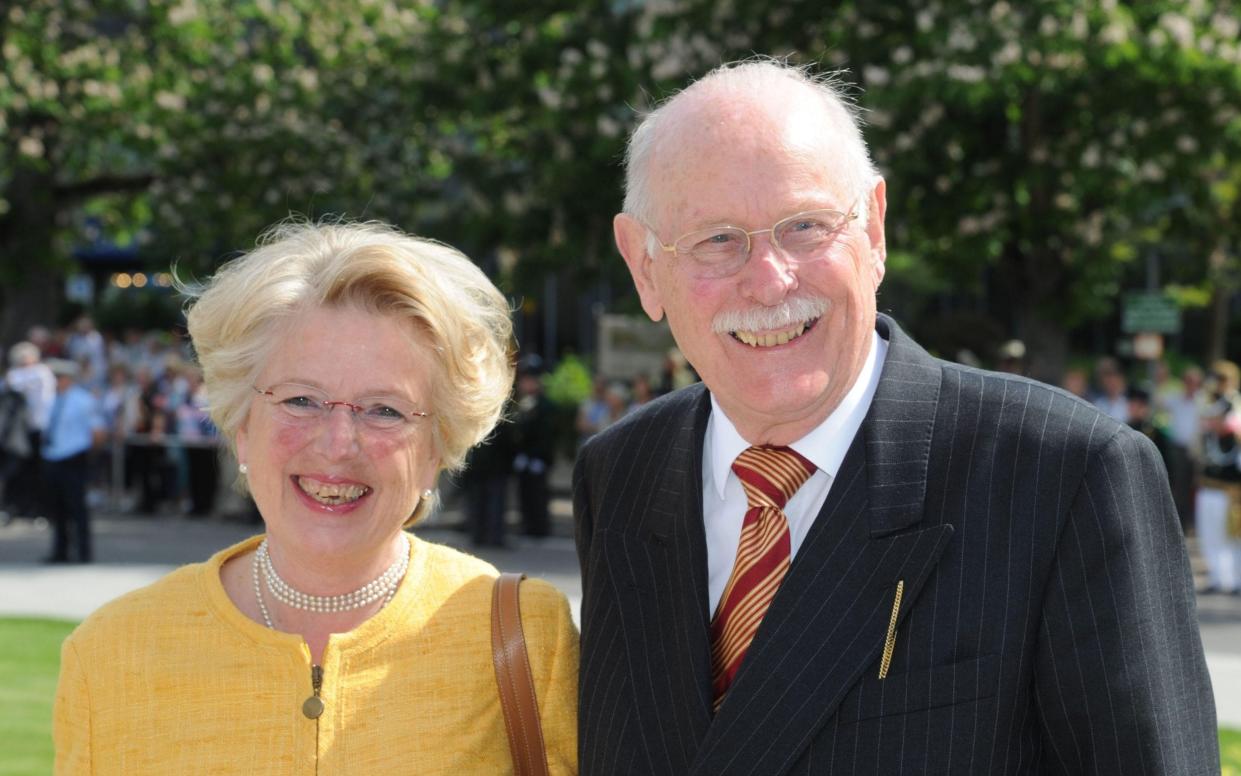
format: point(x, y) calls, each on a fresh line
point(631, 241)
point(877, 204)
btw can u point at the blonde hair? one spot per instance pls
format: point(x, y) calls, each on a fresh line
point(296, 266)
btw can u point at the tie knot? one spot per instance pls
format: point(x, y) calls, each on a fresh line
point(771, 475)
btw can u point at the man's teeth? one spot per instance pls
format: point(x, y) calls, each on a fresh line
point(328, 493)
point(771, 339)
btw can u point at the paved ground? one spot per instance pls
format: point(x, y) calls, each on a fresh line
point(134, 551)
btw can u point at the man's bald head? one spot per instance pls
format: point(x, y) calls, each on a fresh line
point(765, 98)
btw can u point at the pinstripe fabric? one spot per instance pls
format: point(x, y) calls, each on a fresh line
point(1047, 623)
point(769, 476)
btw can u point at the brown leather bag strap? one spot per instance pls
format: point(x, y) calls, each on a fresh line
point(517, 697)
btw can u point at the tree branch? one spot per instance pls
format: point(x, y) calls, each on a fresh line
point(104, 184)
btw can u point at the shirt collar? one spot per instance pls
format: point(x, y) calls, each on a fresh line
point(826, 444)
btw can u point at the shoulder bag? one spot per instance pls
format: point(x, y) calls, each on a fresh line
point(512, 663)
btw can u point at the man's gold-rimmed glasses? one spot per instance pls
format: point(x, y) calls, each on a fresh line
point(721, 251)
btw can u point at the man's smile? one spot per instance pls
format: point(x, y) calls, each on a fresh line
point(773, 338)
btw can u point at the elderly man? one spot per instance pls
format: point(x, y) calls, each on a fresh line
point(841, 555)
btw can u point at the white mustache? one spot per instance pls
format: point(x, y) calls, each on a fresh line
point(781, 316)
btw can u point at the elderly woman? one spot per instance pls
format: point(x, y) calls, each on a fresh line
point(348, 366)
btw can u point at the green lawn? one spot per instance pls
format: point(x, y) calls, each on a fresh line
point(29, 660)
point(30, 654)
point(1230, 752)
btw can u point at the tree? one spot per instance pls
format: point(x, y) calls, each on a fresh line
point(1035, 151)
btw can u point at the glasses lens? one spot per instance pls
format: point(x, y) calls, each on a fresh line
point(385, 414)
point(297, 402)
point(715, 252)
point(804, 235)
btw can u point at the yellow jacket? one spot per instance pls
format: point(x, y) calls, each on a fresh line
point(173, 679)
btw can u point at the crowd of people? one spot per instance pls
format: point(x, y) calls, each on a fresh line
point(154, 449)
point(1194, 420)
point(140, 441)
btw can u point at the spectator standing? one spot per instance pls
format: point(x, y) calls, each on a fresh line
point(642, 393)
point(74, 427)
point(1142, 420)
point(33, 380)
point(1112, 397)
point(87, 347)
point(1219, 497)
point(534, 447)
point(1183, 409)
point(14, 441)
point(677, 372)
point(485, 480)
point(199, 437)
point(1077, 383)
point(594, 414)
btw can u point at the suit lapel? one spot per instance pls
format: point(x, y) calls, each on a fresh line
point(660, 576)
point(827, 624)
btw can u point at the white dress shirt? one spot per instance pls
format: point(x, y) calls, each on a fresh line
point(723, 499)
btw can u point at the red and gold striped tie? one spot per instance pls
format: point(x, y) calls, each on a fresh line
point(770, 476)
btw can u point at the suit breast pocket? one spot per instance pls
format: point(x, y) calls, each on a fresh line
point(921, 690)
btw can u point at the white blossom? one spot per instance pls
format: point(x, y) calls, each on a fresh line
point(966, 73)
point(1009, 53)
point(170, 100)
point(30, 146)
point(1180, 28)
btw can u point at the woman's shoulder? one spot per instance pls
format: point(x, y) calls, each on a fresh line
point(143, 610)
point(184, 598)
point(454, 569)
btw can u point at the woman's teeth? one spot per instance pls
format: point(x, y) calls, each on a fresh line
point(331, 494)
point(773, 338)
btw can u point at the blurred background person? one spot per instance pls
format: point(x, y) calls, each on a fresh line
point(1076, 382)
point(199, 438)
point(1112, 397)
point(534, 447)
point(1183, 409)
point(677, 372)
point(32, 378)
point(640, 393)
point(596, 413)
point(348, 366)
point(14, 441)
point(86, 346)
point(1011, 357)
point(485, 480)
point(1219, 494)
point(1142, 420)
point(74, 427)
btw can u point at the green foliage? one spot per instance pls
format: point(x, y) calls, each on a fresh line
point(29, 663)
point(1036, 152)
point(569, 383)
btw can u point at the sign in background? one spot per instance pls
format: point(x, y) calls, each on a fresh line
point(1150, 311)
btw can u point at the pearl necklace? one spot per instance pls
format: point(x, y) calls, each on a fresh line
point(384, 586)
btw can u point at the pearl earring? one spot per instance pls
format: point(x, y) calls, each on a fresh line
point(241, 467)
point(426, 495)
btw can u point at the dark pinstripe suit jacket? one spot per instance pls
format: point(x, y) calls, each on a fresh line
point(1047, 623)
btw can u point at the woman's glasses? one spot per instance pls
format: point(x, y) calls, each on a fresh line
point(305, 406)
